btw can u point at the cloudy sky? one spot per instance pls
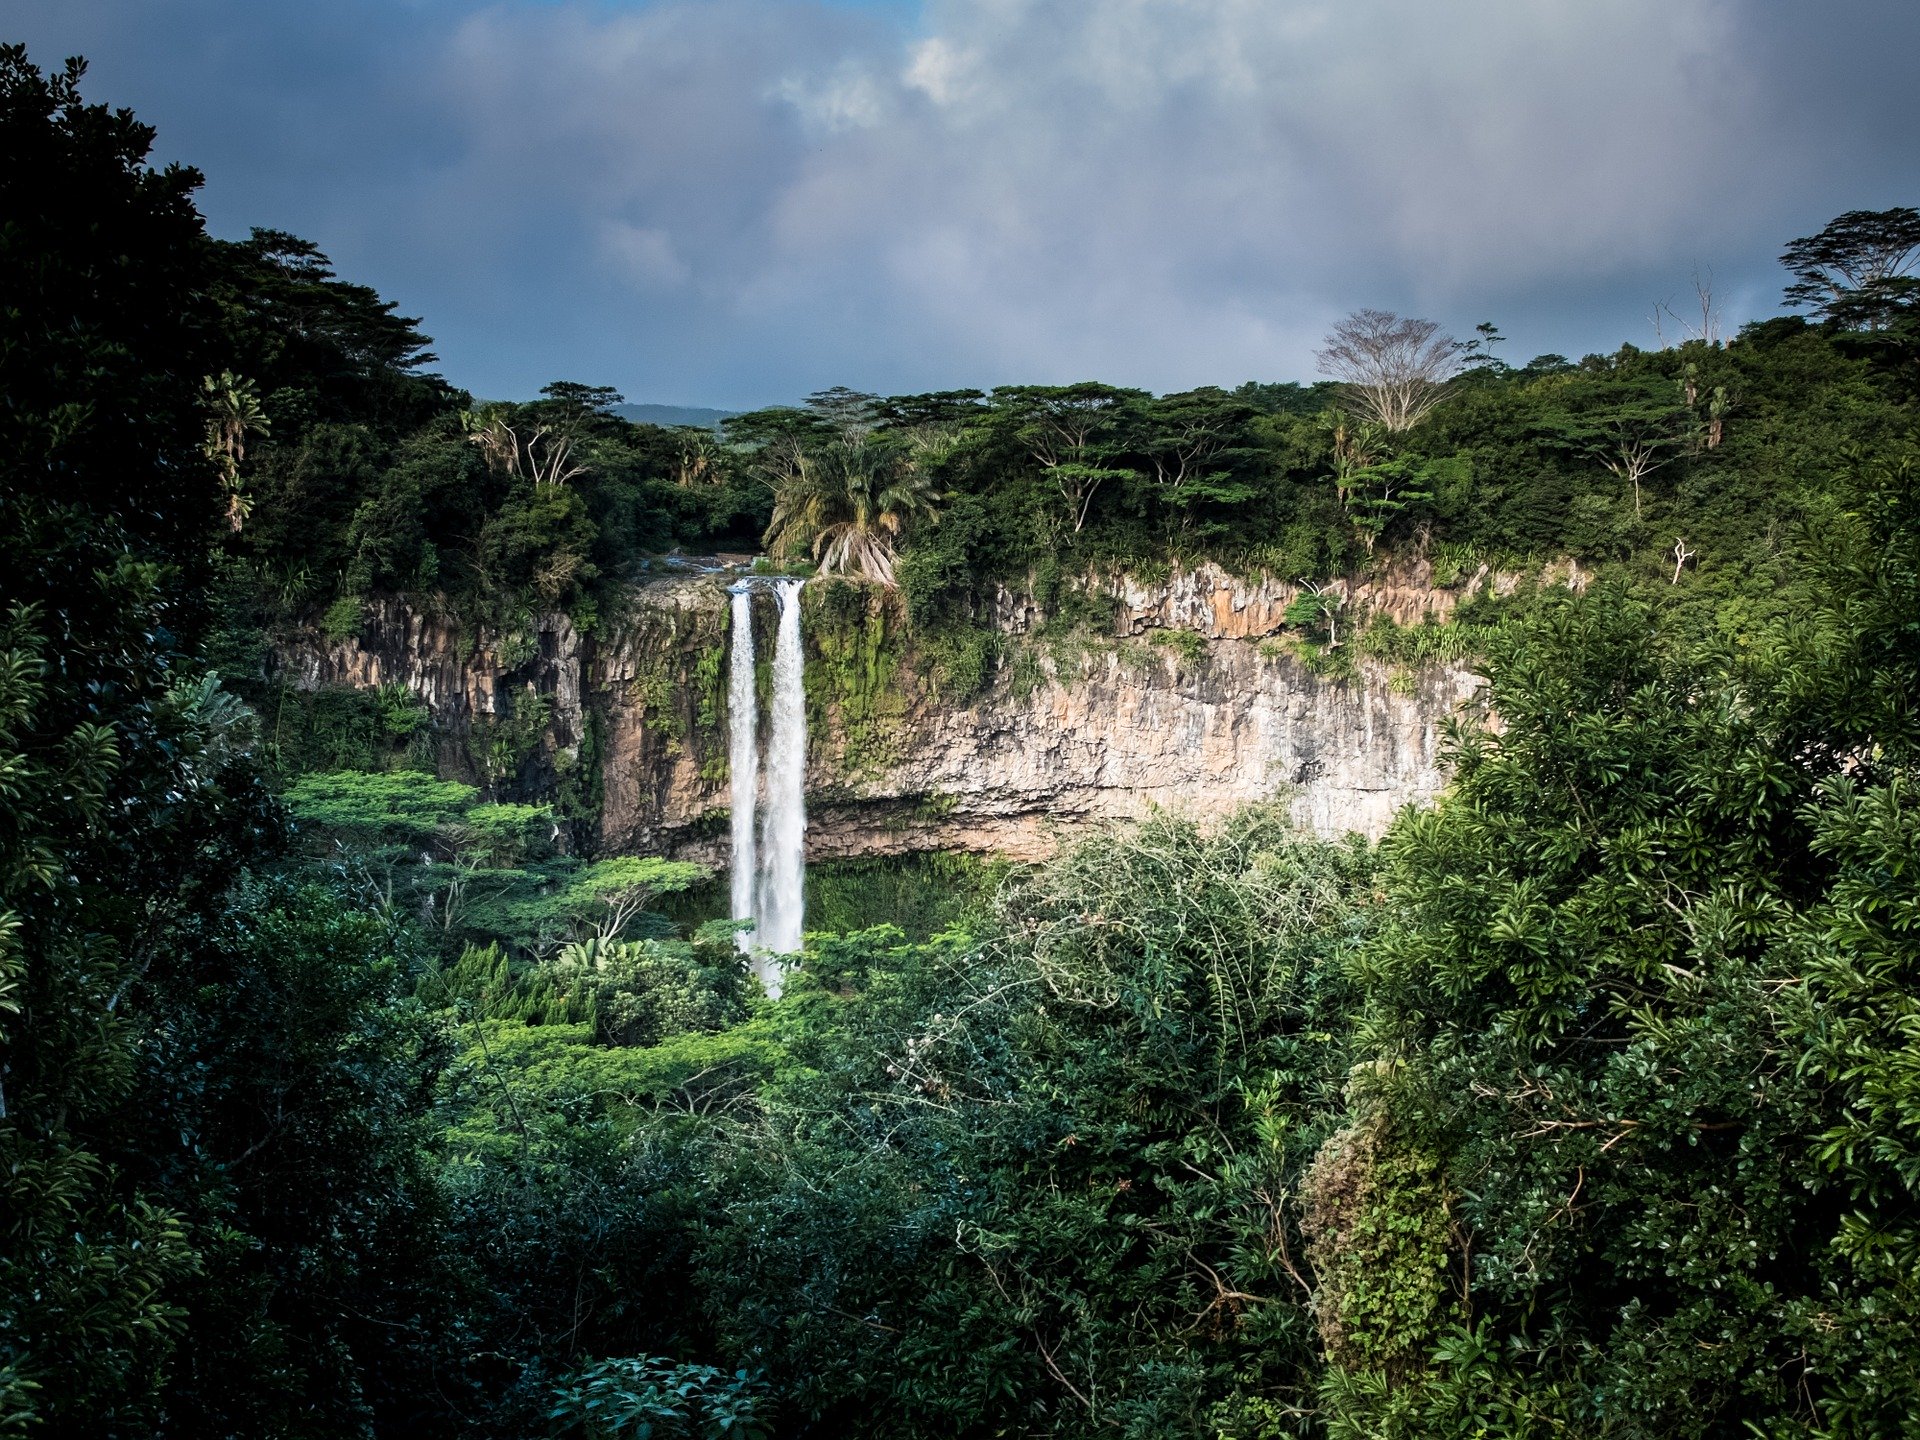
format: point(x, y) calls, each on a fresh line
point(734, 202)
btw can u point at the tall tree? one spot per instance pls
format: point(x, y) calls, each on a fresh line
point(319, 347)
point(210, 1176)
point(851, 414)
point(233, 417)
point(940, 407)
point(548, 441)
point(106, 500)
point(1857, 272)
point(847, 502)
point(1640, 1137)
point(1632, 425)
point(1077, 434)
point(1396, 368)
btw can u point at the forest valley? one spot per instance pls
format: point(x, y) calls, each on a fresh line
point(338, 1098)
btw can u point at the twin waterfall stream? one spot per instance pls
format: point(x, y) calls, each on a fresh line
point(769, 863)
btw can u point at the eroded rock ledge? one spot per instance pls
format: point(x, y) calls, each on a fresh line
point(1066, 733)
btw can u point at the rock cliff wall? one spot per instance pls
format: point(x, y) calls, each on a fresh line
point(1189, 703)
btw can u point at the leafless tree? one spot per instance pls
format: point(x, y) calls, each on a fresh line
point(1709, 327)
point(1396, 368)
point(544, 455)
point(1681, 554)
point(1706, 328)
point(1635, 455)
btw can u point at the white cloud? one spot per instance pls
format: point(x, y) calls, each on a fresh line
point(941, 71)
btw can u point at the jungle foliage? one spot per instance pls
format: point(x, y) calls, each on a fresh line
point(1585, 1104)
point(356, 473)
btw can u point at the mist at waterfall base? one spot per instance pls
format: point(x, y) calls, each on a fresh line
point(769, 862)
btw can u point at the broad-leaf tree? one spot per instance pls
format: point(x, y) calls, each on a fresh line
point(1858, 271)
point(106, 500)
point(1076, 434)
point(1631, 425)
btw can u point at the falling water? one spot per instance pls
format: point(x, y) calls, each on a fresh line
point(783, 836)
point(769, 863)
point(743, 756)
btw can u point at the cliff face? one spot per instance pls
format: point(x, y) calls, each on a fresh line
point(1188, 704)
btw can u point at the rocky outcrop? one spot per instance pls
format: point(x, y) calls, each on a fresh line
point(1133, 729)
point(1190, 703)
point(508, 709)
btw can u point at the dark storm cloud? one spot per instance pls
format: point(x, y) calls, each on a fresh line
point(734, 201)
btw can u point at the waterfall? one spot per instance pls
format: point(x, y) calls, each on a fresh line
point(769, 864)
point(743, 755)
point(783, 836)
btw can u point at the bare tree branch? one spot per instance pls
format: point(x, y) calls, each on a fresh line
point(1396, 368)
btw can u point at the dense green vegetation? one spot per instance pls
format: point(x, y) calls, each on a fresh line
point(338, 1099)
point(353, 473)
point(1039, 485)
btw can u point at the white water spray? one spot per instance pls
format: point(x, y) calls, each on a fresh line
point(783, 837)
point(743, 756)
point(769, 865)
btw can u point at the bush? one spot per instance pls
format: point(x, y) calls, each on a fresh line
point(649, 1398)
point(342, 618)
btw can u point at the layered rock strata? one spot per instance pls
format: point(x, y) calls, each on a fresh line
point(1189, 704)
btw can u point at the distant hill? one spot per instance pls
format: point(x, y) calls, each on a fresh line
point(674, 415)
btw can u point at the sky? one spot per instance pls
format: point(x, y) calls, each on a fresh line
point(738, 202)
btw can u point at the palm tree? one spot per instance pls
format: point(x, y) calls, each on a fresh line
point(850, 500)
point(233, 413)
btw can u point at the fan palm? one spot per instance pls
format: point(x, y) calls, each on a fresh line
point(849, 501)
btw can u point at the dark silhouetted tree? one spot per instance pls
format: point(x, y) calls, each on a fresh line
point(1856, 271)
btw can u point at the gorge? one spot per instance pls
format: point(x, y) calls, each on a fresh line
point(381, 1054)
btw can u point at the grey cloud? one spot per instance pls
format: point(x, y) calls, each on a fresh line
point(736, 201)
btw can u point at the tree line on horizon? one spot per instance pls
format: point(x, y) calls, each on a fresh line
point(352, 474)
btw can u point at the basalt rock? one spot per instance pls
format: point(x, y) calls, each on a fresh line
point(1190, 703)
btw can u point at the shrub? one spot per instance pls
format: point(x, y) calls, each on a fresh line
point(650, 1398)
point(342, 618)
